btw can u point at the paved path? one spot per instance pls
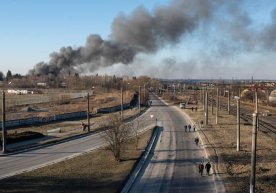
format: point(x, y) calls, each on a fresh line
point(174, 165)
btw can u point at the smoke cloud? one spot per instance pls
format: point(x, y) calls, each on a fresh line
point(141, 32)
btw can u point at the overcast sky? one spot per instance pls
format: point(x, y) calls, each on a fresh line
point(216, 38)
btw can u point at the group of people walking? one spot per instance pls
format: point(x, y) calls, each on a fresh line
point(207, 168)
point(186, 127)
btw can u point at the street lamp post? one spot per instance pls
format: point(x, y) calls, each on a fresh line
point(151, 116)
point(238, 122)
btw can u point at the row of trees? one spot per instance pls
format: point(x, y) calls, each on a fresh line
point(9, 76)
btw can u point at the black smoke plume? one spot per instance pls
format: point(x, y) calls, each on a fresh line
point(141, 32)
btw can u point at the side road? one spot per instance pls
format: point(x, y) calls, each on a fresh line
point(65, 136)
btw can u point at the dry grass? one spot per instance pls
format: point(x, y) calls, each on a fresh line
point(92, 172)
point(17, 105)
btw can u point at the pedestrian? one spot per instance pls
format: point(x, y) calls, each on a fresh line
point(194, 127)
point(185, 128)
point(200, 168)
point(83, 126)
point(189, 127)
point(208, 167)
point(192, 108)
point(196, 141)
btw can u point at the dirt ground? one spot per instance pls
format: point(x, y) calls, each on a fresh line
point(235, 167)
point(93, 172)
point(43, 105)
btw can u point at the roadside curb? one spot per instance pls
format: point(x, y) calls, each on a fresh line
point(135, 173)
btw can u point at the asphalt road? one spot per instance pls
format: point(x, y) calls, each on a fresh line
point(172, 168)
point(174, 165)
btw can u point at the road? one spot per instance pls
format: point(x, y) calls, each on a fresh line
point(174, 165)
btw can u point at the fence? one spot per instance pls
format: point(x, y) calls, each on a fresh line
point(59, 117)
point(40, 120)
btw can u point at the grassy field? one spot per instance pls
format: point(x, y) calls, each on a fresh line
point(93, 172)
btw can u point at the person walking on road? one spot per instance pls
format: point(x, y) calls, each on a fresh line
point(185, 128)
point(208, 167)
point(196, 141)
point(189, 126)
point(201, 168)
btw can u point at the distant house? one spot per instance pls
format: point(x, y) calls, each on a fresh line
point(127, 78)
point(19, 92)
point(42, 84)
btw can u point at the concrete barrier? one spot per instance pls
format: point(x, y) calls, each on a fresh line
point(133, 176)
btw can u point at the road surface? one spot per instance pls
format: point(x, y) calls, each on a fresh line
point(174, 165)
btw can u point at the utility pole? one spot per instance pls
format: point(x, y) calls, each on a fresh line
point(122, 103)
point(219, 99)
point(204, 99)
point(212, 109)
point(267, 97)
point(253, 153)
point(206, 108)
point(3, 122)
point(88, 112)
point(256, 101)
point(173, 93)
point(144, 94)
point(217, 105)
point(238, 123)
point(139, 99)
point(228, 106)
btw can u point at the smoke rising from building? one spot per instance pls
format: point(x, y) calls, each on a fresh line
point(148, 31)
point(142, 32)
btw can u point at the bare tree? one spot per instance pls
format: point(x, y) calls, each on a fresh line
point(117, 134)
point(135, 129)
